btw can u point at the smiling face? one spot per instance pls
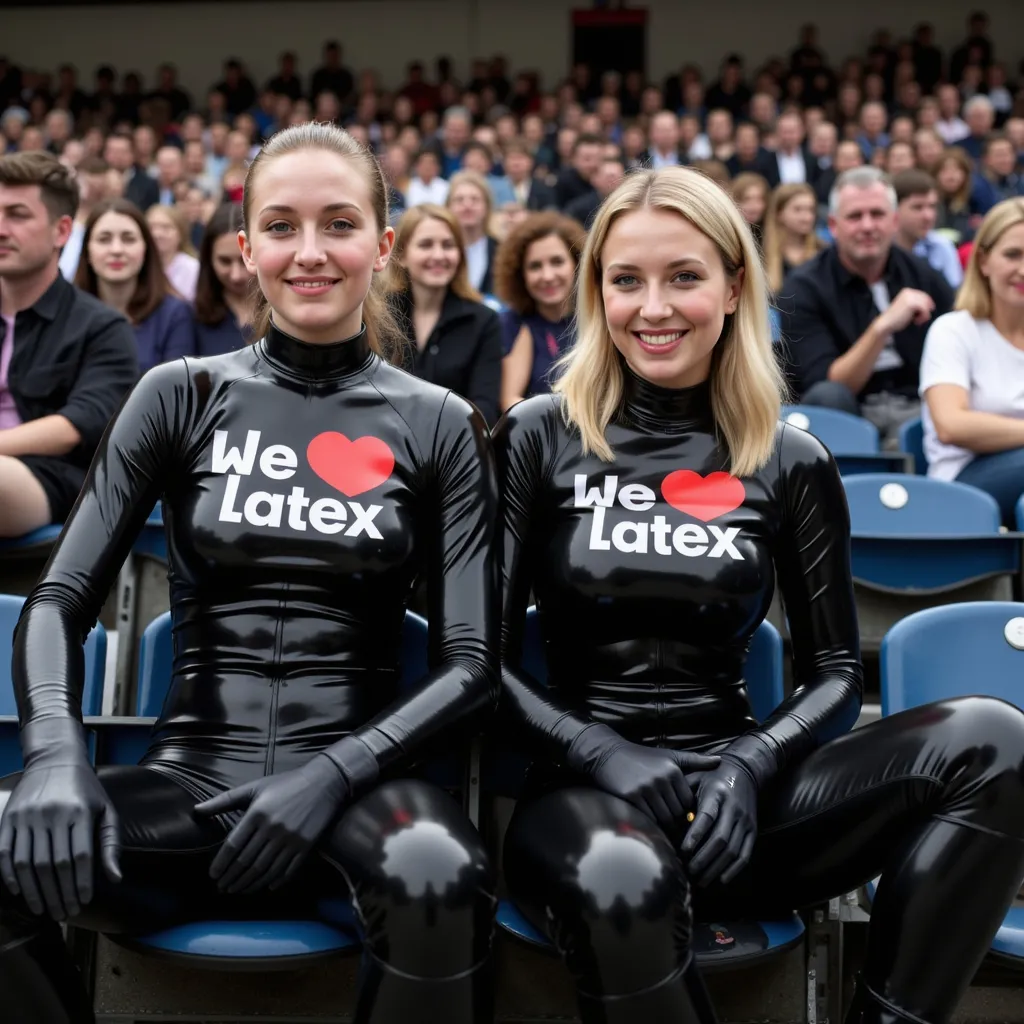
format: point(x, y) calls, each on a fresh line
point(116, 249)
point(1003, 266)
point(548, 269)
point(432, 256)
point(666, 295)
point(313, 242)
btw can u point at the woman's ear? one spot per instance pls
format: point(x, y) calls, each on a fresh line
point(384, 249)
point(732, 299)
point(246, 249)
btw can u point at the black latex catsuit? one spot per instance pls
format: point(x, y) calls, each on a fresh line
point(305, 487)
point(645, 628)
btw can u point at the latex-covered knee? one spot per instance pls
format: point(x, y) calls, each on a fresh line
point(423, 884)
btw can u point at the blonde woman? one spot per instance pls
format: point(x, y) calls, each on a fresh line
point(789, 236)
point(454, 338)
point(649, 506)
point(973, 368)
point(470, 199)
point(172, 232)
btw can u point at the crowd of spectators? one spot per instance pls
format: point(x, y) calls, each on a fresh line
point(506, 172)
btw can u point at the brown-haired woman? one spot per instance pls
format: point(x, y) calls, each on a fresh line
point(750, 193)
point(957, 219)
point(789, 236)
point(454, 339)
point(534, 274)
point(306, 483)
point(224, 291)
point(122, 267)
point(470, 199)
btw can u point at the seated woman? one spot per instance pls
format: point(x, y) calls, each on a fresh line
point(454, 339)
point(533, 274)
point(172, 233)
point(789, 236)
point(274, 778)
point(750, 192)
point(469, 198)
point(650, 505)
point(122, 267)
point(224, 292)
point(973, 365)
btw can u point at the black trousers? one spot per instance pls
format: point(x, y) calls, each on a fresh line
point(931, 799)
point(405, 854)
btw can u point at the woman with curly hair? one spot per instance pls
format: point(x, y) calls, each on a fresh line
point(534, 274)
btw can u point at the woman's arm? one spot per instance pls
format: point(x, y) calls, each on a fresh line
point(516, 368)
point(812, 563)
point(958, 424)
point(462, 597)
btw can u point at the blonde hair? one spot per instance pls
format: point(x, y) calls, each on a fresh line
point(398, 276)
point(773, 231)
point(975, 294)
point(746, 381)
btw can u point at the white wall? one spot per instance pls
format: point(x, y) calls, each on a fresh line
point(386, 34)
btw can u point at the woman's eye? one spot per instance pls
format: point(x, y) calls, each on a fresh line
point(686, 277)
point(278, 227)
point(624, 280)
point(340, 225)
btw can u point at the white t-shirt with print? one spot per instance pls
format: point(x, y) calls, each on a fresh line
point(973, 355)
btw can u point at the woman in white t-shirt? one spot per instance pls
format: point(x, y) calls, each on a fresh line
point(972, 370)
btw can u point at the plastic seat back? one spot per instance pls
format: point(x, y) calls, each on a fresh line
point(839, 432)
point(911, 439)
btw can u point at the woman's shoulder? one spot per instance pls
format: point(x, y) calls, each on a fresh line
point(795, 446)
point(539, 416)
point(957, 323)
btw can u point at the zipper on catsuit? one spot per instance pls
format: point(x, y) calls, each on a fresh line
point(276, 683)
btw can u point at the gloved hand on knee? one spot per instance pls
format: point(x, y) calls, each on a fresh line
point(50, 823)
point(658, 782)
point(721, 839)
point(284, 816)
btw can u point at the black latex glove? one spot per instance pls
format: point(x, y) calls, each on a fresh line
point(284, 816)
point(49, 827)
point(656, 781)
point(719, 842)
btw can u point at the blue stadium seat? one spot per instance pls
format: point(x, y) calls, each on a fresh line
point(724, 944)
point(955, 651)
point(41, 540)
point(247, 945)
point(918, 542)
point(852, 440)
point(152, 541)
point(1020, 514)
point(92, 691)
point(911, 438)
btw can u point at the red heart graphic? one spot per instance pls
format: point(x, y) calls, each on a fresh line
point(351, 467)
point(703, 497)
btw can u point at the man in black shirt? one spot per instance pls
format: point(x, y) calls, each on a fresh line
point(854, 318)
point(66, 359)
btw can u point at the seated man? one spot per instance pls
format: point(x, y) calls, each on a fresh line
point(917, 196)
point(854, 317)
point(66, 359)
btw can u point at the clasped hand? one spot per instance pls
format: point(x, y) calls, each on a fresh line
point(284, 816)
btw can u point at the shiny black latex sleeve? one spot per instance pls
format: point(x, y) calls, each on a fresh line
point(813, 568)
point(462, 602)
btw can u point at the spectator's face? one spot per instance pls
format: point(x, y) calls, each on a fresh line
point(799, 215)
point(456, 133)
point(314, 267)
point(608, 110)
point(58, 126)
point(927, 114)
point(13, 127)
point(237, 149)
point(928, 147)
point(116, 249)
point(823, 140)
point(586, 158)
point(665, 132)
point(409, 139)
point(533, 130)
point(1001, 157)
point(693, 95)
point(548, 270)
point(192, 129)
point(901, 130)
point(1003, 267)
point(229, 267)
point(864, 224)
point(762, 109)
point(396, 163)
point(327, 107)
point(28, 236)
point(518, 166)
point(791, 133)
point(170, 166)
point(665, 317)
point(72, 153)
point(917, 215)
point(689, 129)
point(476, 160)
point(505, 129)
point(872, 119)
point(432, 255)
point(113, 184)
point(980, 119)
point(32, 140)
point(92, 188)
point(218, 138)
point(164, 232)
point(747, 143)
point(427, 167)
point(1015, 131)
point(719, 127)
point(469, 206)
point(752, 203)
point(118, 153)
point(949, 101)
point(951, 177)
point(195, 159)
point(899, 158)
point(590, 124)
point(633, 141)
point(608, 177)
point(651, 101)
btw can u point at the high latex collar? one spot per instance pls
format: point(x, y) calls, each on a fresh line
point(669, 410)
point(329, 360)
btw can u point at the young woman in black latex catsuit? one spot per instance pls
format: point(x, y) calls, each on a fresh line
point(306, 483)
point(651, 505)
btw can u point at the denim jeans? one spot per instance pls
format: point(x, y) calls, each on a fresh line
point(1001, 474)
